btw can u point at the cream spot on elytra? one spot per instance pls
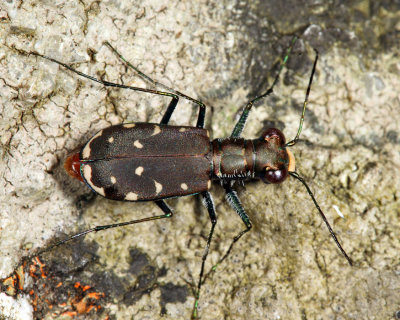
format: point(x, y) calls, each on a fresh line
point(157, 130)
point(184, 186)
point(158, 186)
point(139, 171)
point(131, 196)
point(137, 144)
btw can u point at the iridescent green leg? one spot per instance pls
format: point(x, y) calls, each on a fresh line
point(237, 131)
point(234, 202)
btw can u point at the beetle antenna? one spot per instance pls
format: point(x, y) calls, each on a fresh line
point(295, 175)
point(294, 141)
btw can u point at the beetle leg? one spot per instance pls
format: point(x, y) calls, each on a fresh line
point(172, 105)
point(170, 109)
point(235, 203)
point(172, 93)
point(106, 83)
point(160, 203)
point(209, 204)
point(237, 130)
point(165, 208)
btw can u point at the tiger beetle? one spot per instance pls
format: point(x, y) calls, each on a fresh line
point(157, 161)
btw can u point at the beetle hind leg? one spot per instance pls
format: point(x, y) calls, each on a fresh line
point(209, 204)
point(160, 203)
point(173, 103)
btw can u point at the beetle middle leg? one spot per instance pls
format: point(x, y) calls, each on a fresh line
point(173, 103)
point(235, 203)
point(209, 204)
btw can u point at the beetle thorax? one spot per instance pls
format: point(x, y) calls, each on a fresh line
point(241, 159)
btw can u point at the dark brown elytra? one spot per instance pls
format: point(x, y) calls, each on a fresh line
point(144, 161)
point(152, 162)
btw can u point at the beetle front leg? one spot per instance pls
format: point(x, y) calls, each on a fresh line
point(209, 204)
point(239, 126)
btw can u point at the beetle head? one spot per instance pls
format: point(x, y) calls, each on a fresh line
point(279, 172)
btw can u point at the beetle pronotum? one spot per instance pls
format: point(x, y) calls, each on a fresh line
point(119, 162)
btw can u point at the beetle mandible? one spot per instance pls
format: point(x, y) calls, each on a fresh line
point(157, 161)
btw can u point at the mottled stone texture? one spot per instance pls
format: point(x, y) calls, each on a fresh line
point(224, 53)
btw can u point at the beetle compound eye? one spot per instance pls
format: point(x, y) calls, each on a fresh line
point(273, 133)
point(275, 176)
